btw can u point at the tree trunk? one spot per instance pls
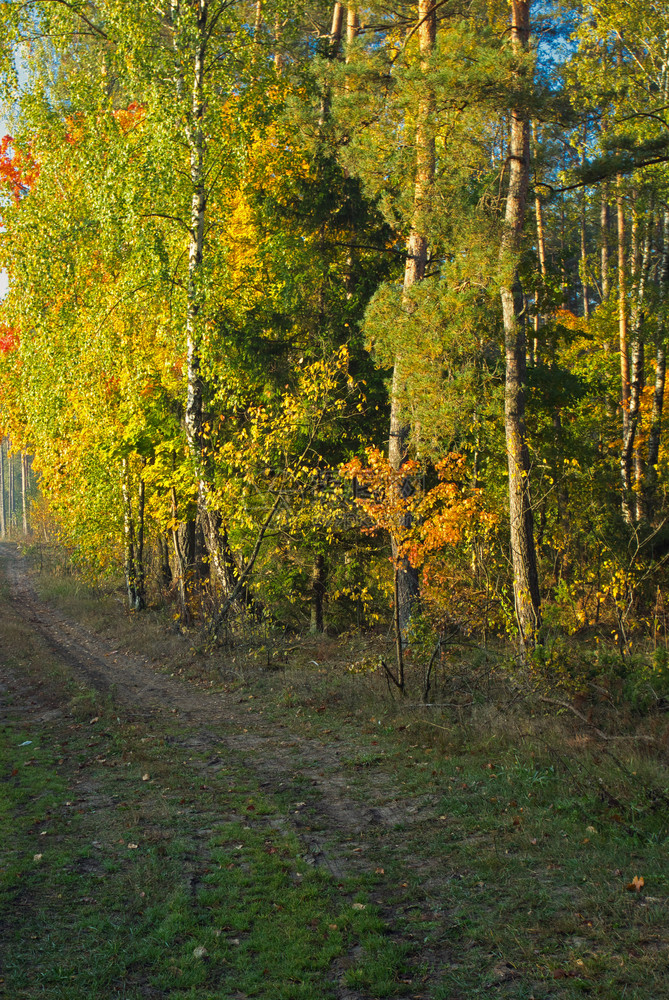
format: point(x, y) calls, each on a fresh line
point(334, 47)
point(140, 576)
point(24, 491)
point(655, 432)
point(352, 25)
point(318, 579)
point(164, 562)
point(128, 535)
point(638, 376)
point(278, 55)
point(336, 29)
point(3, 523)
point(543, 270)
point(10, 477)
point(523, 553)
point(604, 236)
point(584, 261)
point(179, 566)
point(398, 448)
point(195, 291)
point(625, 389)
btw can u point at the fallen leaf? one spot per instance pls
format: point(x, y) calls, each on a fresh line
point(637, 884)
point(145, 777)
point(359, 906)
point(37, 857)
point(379, 871)
point(132, 847)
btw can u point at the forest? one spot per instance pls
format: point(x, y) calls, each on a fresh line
point(347, 317)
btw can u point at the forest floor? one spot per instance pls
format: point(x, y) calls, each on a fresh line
point(251, 832)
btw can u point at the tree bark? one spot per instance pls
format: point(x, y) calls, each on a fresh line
point(128, 535)
point(10, 476)
point(523, 553)
point(3, 523)
point(164, 562)
point(633, 450)
point(543, 270)
point(278, 55)
point(352, 25)
point(655, 432)
point(604, 236)
point(197, 146)
point(24, 491)
point(318, 579)
point(584, 261)
point(140, 576)
point(398, 449)
point(179, 566)
point(625, 388)
point(336, 29)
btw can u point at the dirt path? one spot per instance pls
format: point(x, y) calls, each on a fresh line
point(338, 809)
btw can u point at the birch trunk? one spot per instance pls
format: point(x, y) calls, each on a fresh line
point(24, 491)
point(179, 566)
point(584, 262)
point(398, 448)
point(10, 476)
point(624, 356)
point(523, 553)
point(541, 252)
point(140, 576)
point(196, 139)
point(128, 535)
point(633, 448)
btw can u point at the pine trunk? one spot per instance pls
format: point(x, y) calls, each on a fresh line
point(398, 449)
point(523, 553)
point(655, 433)
point(3, 523)
point(604, 236)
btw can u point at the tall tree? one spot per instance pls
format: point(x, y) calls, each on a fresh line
point(414, 271)
point(523, 552)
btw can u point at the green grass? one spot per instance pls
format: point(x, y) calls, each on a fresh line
point(207, 904)
point(502, 867)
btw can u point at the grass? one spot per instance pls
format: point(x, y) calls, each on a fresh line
point(125, 872)
point(494, 850)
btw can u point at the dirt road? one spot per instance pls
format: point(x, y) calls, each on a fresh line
point(345, 813)
point(243, 835)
